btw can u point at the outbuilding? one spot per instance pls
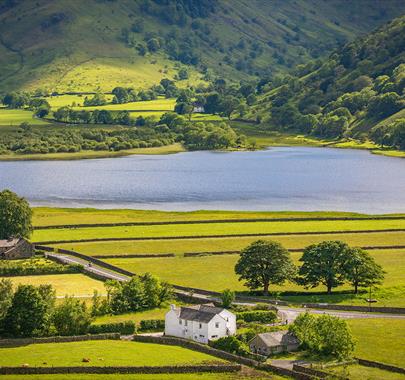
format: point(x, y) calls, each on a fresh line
point(16, 248)
point(273, 343)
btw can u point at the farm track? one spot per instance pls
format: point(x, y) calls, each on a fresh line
point(138, 238)
point(213, 221)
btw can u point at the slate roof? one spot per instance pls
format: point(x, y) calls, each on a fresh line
point(8, 243)
point(199, 313)
point(278, 338)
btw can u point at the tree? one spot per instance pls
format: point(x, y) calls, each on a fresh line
point(227, 297)
point(228, 105)
point(15, 216)
point(263, 263)
point(361, 270)
point(6, 298)
point(28, 314)
point(71, 317)
point(326, 335)
point(324, 263)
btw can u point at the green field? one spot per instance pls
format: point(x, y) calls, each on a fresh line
point(182, 270)
point(14, 117)
point(64, 284)
point(101, 353)
point(213, 229)
point(254, 375)
point(46, 216)
point(179, 247)
point(365, 373)
point(380, 339)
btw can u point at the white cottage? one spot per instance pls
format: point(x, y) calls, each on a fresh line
point(200, 323)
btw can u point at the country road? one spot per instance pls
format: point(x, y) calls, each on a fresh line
point(286, 313)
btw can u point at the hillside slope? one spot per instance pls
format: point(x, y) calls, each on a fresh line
point(357, 92)
point(93, 45)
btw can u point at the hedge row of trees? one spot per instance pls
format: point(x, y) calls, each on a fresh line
point(32, 311)
point(329, 263)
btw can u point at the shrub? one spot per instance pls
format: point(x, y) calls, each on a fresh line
point(124, 328)
point(257, 316)
point(152, 325)
point(231, 344)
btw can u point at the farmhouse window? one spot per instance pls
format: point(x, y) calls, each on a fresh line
point(180, 322)
point(200, 325)
point(216, 324)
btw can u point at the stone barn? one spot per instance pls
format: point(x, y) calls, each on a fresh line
point(273, 343)
point(16, 248)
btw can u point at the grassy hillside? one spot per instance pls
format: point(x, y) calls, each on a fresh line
point(95, 45)
point(356, 93)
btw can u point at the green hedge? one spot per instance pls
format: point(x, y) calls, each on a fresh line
point(257, 316)
point(152, 325)
point(124, 328)
point(35, 266)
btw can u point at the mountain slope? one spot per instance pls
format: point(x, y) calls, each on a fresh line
point(97, 44)
point(357, 92)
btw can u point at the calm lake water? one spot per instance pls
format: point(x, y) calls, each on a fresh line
point(294, 178)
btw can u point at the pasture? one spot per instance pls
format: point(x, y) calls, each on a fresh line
point(101, 353)
point(192, 230)
point(380, 339)
point(182, 270)
point(254, 375)
point(64, 284)
point(14, 117)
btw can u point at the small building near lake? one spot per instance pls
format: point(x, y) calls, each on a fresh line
point(273, 343)
point(16, 248)
point(200, 323)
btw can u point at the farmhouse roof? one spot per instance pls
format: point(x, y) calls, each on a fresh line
point(199, 313)
point(278, 338)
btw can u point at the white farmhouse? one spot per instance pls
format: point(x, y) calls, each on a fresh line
point(200, 323)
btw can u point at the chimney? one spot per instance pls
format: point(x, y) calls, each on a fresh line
point(172, 307)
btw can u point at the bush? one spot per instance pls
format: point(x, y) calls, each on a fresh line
point(124, 328)
point(231, 344)
point(257, 316)
point(152, 325)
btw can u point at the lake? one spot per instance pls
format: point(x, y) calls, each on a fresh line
point(285, 178)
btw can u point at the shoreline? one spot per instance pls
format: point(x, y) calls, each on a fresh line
point(178, 148)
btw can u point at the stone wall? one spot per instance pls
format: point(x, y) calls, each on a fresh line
point(387, 367)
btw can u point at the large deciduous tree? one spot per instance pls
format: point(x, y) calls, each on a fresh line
point(29, 313)
point(15, 216)
point(361, 270)
point(324, 263)
point(263, 263)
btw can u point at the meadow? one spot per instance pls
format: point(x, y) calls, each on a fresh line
point(14, 117)
point(255, 375)
point(212, 245)
point(102, 353)
point(182, 270)
point(356, 371)
point(380, 339)
point(192, 230)
point(64, 284)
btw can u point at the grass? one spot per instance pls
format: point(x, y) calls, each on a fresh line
point(45, 216)
point(193, 272)
point(213, 229)
point(101, 353)
point(178, 376)
point(64, 284)
point(179, 247)
point(158, 313)
point(380, 339)
point(14, 117)
point(367, 373)
point(91, 154)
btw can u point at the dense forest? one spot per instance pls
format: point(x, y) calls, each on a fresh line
point(357, 92)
